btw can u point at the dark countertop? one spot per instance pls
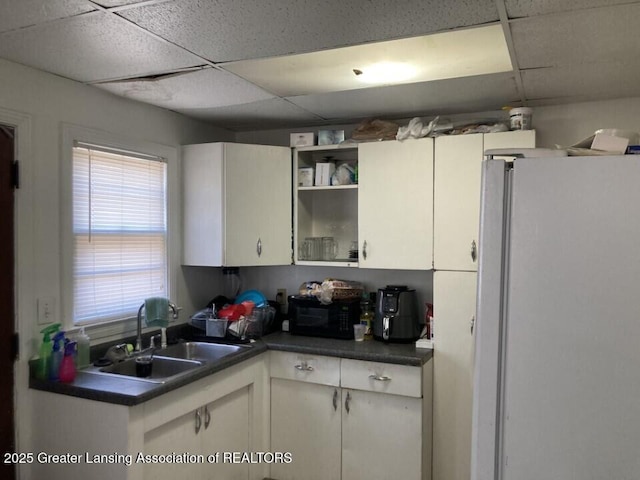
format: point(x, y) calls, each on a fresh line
point(370, 350)
point(129, 391)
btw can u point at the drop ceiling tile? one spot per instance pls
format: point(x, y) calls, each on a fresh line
point(486, 92)
point(264, 114)
point(204, 88)
point(527, 8)
point(587, 36)
point(23, 13)
point(224, 31)
point(586, 81)
point(92, 47)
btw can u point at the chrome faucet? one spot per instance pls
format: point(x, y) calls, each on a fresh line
point(173, 308)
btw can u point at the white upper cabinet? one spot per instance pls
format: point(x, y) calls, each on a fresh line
point(457, 201)
point(395, 204)
point(458, 161)
point(237, 205)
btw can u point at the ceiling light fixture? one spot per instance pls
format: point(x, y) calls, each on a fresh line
point(385, 72)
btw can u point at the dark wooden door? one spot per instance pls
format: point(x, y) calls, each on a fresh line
point(7, 436)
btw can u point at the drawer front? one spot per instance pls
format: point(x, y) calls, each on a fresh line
point(381, 377)
point(305, 368)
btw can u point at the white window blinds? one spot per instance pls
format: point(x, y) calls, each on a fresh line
point(119, 231)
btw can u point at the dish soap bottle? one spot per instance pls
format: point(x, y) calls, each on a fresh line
point(43, 366)
point(56, 356)
point(366, 318)
point(68, 367)
point(82, 360)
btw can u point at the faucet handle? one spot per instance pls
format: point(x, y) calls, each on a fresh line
point(152, 340)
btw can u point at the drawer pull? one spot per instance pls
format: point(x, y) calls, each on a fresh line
point(380, 378)
point(304, 367)
point(198, 421)
point(207, 417)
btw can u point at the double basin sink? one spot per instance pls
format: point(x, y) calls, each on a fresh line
point(170, 363)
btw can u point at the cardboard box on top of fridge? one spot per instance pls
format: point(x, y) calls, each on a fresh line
point(609, 143)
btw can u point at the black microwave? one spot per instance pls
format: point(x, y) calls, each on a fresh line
point(307, 316)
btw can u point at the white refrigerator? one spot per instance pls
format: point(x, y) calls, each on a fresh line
point(557, 353)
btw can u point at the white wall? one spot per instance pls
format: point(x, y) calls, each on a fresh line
point(43, 102)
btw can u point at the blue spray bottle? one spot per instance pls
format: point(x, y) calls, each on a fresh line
point(56, 356)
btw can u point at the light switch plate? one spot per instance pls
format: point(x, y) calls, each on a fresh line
point(46, 310)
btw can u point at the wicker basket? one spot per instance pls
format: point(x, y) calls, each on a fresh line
point(339, 293)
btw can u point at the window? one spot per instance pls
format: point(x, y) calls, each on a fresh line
point(119, 223)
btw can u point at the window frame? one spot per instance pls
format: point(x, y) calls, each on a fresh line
point(71, 134)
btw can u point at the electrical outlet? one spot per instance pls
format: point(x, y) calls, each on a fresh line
point(46, 310)
point(281, 296)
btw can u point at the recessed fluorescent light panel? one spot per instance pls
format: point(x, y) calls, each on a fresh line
point(458, 53)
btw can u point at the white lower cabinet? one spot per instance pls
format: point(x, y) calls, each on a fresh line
point(349, 419)
point(220, 426)
point(454, 299)
point(224, 412)
point(305, 421)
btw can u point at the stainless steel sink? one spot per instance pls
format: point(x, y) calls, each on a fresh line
point(202, 351)
point(172, 362)
point(163, 369)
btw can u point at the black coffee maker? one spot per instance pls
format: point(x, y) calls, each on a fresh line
point(397, 318)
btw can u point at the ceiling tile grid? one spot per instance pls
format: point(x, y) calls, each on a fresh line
point(14, 15)
point(485, 92)
point(276, 113)
point(583, 82)
point(92, 47)
point(586, 36)
point(163, 52)
point(204, 88)
point(527, 8)
point(223, 31)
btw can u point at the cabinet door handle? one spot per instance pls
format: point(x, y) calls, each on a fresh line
point(474, 250)
point(259, 247)
point(380, 378)
point(198, 421)
point(207, 417)
point(472, 323)
point(347, 403)
point(304, 367)
point(364, 250)
point(335, 399)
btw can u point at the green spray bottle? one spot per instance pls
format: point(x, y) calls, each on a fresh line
point(46, 349)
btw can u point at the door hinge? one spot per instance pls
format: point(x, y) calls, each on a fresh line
point(15, 174)
point(15, 346)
